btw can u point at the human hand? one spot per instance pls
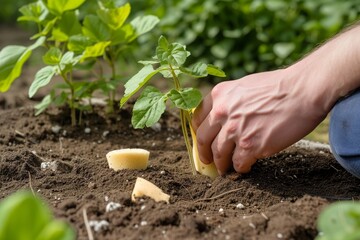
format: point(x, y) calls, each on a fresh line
point(254, 117)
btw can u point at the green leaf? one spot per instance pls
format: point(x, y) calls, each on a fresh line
point(197, 70)
point(174, 54)
point(33, 12)
point(78, 43)
point(56, 230)
point(137, 82)
point(52, 56)
point(95, 51)
point(115, 17)
point(58, 7)
point(12, 58)
point(340, 220)
point(215, 71)
point(283, 50)
point(95, 29)
point(22, 216)
point(144, 24)
point(67, 26)
point(43, 105)
point(187, 98)
point(125, 34)
point(148, 108)
point(42, 78)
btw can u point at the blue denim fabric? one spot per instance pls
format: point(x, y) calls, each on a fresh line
point(344, 132)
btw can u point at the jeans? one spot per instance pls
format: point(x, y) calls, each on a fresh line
point(344, 132)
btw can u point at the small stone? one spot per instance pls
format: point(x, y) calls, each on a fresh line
point(142, 207)
point(111, 206)
point(106, 198)
point(240, 206)
point(105, 133)
point(221, 211)
point(91, 185)
point(56, 129)
point(162, 172)
point(143, 223)
point(156, 127)
point(279, 235)
point(87, 130)
point(99, 225)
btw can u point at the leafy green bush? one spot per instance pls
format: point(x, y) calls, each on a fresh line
point(340, 220)
point(246, 36)
point(75, 39)
point(24, 216)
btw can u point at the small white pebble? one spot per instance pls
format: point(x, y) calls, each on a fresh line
point(106, 198)
point(162, 172)
point(227, 237)
point(136, 226)
point(99, 225)
point(208, 185)
point(56, 129)
point(64, 133)
point(197, 211)
point(156, 127)
point(87, 130)
point(279, 235)
point(252, 225)
point(240, 206)
point(143, 223)
point(105, 133)
point(221, 211)
point(168, 139)
point(163, 232)
point(111, 206)
point(142, 207)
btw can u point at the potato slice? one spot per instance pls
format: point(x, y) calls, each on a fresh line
point(145, 188)
point(204, 169)
point(128, 158)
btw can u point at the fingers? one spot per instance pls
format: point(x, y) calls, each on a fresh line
point(222, 149)
point(205, 135)
point(201, 112)
point(243, 160)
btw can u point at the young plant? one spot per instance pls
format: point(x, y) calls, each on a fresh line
point(169, 59)
point(74, 42)
point(340, 220)
point(24, 216)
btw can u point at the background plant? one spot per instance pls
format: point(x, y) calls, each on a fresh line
point(74, 40)
point(24, 216)
point(244, 37)
point(340, 220)
point(169, 61)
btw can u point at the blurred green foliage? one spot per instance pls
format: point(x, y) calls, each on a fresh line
point(241, 37)
point(244, 36)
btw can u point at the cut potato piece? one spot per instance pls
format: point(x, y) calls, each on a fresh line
point(145, 188)
point(204, 169)
point(128, 158)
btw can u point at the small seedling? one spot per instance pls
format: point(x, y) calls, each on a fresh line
point(340, 220)
point(169, 59)
point(24, 216)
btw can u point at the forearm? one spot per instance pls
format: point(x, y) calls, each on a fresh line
point(330, 72)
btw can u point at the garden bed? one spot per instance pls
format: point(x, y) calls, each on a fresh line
point(281, 197)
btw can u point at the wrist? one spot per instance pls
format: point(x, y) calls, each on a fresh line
point(330, 72)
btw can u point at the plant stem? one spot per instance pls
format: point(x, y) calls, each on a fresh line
point(72, 96)
point(185, 122)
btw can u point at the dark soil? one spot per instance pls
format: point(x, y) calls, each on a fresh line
point(282, 196)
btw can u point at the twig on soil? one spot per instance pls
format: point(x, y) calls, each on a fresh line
point(20, 134)
point(87, 225)
point(35, 154)
point(334, 168)
point(217, 196)
point(30, 184)
point(61, 145)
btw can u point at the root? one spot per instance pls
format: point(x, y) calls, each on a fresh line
point(87, 225)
